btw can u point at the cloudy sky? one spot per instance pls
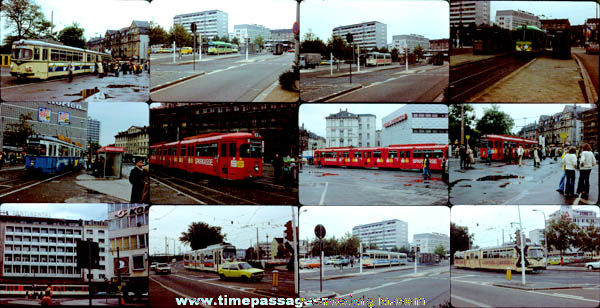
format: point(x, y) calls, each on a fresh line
point(313, 115)
point(239, 223)
point(117, 117)
point(487, 222)
point(54, 210)
point(338, 220)
point(427, 18)
point(576, 11)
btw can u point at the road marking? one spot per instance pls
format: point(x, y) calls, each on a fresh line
point(575, 297)
point(178, 293)
point(172, 188)
point(323, 194)
point(470, 301)
point(266, 92)
point(34, 184)
point(223, 286)
point(6, 185)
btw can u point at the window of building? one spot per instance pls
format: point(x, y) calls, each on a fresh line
point(138, 263)
point(89, 232)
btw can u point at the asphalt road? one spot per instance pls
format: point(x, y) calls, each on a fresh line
point(225, 80)
point(342, 186)
point(591, 63)
point(472, 288)
point(511, 184)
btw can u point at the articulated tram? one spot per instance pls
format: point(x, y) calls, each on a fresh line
point(498, 144)
point(501, 258)
point(42, 60)
point(49, 155)
point(209, 258)
point(10, 290)
point(374, 258)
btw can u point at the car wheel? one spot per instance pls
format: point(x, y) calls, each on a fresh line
point(590, 267)
point(221, 276)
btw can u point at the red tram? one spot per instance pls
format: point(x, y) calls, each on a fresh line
point(400, 156)
point(499, 142)
point(232, 156)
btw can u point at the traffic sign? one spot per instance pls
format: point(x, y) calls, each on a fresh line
point(296, 28)
point(320, 231)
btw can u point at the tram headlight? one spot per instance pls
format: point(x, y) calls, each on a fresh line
point(256, 168)
point(28, 68)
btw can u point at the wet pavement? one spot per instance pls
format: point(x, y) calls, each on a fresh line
point(342, 186)
point(510, 184)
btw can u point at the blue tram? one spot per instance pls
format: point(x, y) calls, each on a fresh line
point(50, 155)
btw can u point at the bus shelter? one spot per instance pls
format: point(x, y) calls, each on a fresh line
point(111, 161)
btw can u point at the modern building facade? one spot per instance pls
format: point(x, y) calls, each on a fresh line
point(537, 236)
point(511, 19)
point(442, 45)
point(468, 12)
point(582, 218)
point(416, 123)
point(208, 23)
point(282, 35)
point(428, 242)
point(349, 129)
point(251, 32)
point(97, 231)
point(366, 34)
point(134, 140)
point(411, 41)
point(385, 234)
point(93, 131)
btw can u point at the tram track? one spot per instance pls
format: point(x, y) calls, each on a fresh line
point(6, 191)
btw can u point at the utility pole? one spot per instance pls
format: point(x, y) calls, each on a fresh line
point(523, 281)
point(462, 124)
point(257, 242)
point(297, 37)
point(295, 245)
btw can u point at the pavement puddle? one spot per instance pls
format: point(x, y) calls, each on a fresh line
point(499, 177)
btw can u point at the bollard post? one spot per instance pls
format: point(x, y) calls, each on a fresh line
point(508, 273)
point(275, 280)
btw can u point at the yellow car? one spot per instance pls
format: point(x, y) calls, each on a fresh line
point(186, 50)
point(241, 270)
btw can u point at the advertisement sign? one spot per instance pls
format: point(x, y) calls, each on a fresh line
point(64, 118)
point(121, 264)
point(44, 114)
point(396, 120)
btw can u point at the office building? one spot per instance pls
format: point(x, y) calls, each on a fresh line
point(385, 234)
point(93, 131)
point(468, 12)
point(366, 34)
point(349, 129)
point(511, 19)
point(251, 32)
point(582, 218)
point(416, 123)
point(208, 23)
point(282, 35)
point(428, 242)
point(410, 41)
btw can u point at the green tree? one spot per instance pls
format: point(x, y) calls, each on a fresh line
point(181, 36)
point(200, 235)
point(561, 234)
point(460, 239)
point(495, 121)
point(72, 36)
point(588, 239)
point(310, 36)
point(157, 34)
point(394, 54)
point(440, 251)
point(404, 249)
point(375, 49)
point(235, 40)
point(282, 252)
point(250, 254)
point(419, 52)
point(312, 44)
point(349, 245)
point(383, 50)
point(338, 47)
point(24, 17)
point(454, 123)
point(259, 41)
point(16, 134)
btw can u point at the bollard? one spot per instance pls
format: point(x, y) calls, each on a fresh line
point(508, 273)
point(275, 280)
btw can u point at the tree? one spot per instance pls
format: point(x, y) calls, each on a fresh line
point(383, 50)
point(157, 34)
point(419, 52)
point(259, 41)
point(454, 123)
point(440, 251)
point(562, 234)
point(404, 249)
point(313, 45)
point(250, 253)
point(460, 239)
point(200, 235)
point(349, 245)
point(72, 36)
point(180, 35)
point(25, 17)
point(16, 134)
point(310, 36)
point(588, 239)
point(394, 54)
point(235, 41)
point(338, 47)
point(495, 121)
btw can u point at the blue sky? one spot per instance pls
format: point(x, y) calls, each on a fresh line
point(117, 117)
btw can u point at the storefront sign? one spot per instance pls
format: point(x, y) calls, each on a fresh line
point(396, 120)
point(68, 104)
point(44, 114)
point(132, 211)
point(64, 118)
point(121, 265)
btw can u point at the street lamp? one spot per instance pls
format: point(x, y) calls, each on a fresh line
point(545, 238)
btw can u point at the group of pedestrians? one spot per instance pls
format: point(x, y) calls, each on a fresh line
point(122, 67)
point(576, 159)
point(467, 157)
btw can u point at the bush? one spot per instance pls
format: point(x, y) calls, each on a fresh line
point(287, 80)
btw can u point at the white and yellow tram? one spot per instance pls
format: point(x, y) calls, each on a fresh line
point(374, 258)
point(501, 258)
point(209, 258)
point(378, 58)
point(33, 59)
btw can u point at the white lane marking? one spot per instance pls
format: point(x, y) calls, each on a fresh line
point(34, 184)
point(199, 76)
point(222, 286)
point(176, 190)
point(266, 92)
point(575, 297)
point(178, 293)
point(470, 301)
point(6, 185)
point(323, 194)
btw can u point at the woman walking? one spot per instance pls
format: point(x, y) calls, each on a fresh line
point(586, 162)
point(570, 163)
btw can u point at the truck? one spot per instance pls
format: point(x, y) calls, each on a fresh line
point(309, 60)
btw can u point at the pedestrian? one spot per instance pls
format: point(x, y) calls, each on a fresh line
point(148, 66)
point(137, 178)
point(49, 289)
point(536, 157)
point(586, 163)
point(445, 170)
point(462, 152)
point(1, 159)
point(520, 152)
point(100, 71)
point(470, 157)
point(426, 168)
point(70, 70)
point(277, 165)
point(570, 162)
point(47, 299)
point(561, 184)
point(489, 156)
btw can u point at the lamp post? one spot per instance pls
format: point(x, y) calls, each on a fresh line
point(545, 238)
point(523, 281)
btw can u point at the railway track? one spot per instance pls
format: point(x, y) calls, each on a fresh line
point(466, 80)
point(13, 181)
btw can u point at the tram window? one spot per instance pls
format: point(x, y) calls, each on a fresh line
point(438, 154)
point(417, 154)
point(89, 58)
point(250, 150)
point(36, 53)
point(44, 54)
point(182, 151)
point(357, 154)
point(393, 154)
point(22, 54)
point(173, 151)
point(368, 154)
point(232, 150)
point(484, 143)
point(213, 150)
point(223, 150)
point(376, 154)
point(345, 154)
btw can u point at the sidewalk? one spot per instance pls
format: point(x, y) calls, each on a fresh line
point(118, 188)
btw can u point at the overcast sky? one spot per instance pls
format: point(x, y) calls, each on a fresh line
point(117, 117)
point(427, 18)
point(313, 115)
point(239, 223)
point(487, 222)
point(576, 11)
point(338, 220)
point(56, 210)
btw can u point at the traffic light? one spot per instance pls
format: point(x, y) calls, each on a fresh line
point(349, 38)
point(193, 27)
point(289, 235)
point(84, 249)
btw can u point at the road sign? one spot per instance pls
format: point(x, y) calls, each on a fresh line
point(296, 28)
point(349, 38)
point(193, 27)
point(320, 231)
point(468, 137)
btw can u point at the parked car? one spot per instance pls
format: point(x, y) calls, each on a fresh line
point(162, 268)
point(153, 266)
point(593, 265)
point(241, 270)
point(309, 263)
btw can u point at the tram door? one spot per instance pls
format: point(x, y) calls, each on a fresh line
point(226, 159)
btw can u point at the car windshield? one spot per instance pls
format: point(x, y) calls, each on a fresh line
point(229, 254)
point(22, 54)
point(163, 265)
point(244, 265)
point(253, 149)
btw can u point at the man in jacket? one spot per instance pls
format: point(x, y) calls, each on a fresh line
point(137, 178)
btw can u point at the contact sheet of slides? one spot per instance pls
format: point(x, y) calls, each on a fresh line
point(299, 153)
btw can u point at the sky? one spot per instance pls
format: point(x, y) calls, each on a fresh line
point(239, 223)
point(338, 220)
point(524, 114)
point(114, 119)
point(313, 115)
point(576, 11)
point(487, 222)
point(55, 210)
point(427, 18)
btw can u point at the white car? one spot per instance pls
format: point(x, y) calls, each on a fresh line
point(163, 268)
point(153, 266)
point(593, 265)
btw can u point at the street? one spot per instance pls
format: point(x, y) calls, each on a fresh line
point(591, 64)
point(87, 87)
point(421, 83)
point(343, 186)
point(430, 286)
point(227, 78)
point(550, 288)
point(502, 183)
point(164, 289)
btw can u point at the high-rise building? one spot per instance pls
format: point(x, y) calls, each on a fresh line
point(582, 218)
point(93, 130)
point(428, 242)
point(416, 123)
point(410, 41)
point(536, 236)
point(349, 129)
point(366, 34)
point(208, 23)
point(511, 19)
point(467, 12)
point(385, 234)
point(251, 32)
point(97, 231)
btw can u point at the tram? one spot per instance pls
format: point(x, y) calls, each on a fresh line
point(217, 48)
point(530, 40)
point(374, 258)
point(404, 157)
point(20, 290)
point(232, 156)
point(378, 58)
point(209, 258)
point(499, 143)
point(31, 59)
point(501, 258)
point(50, 155)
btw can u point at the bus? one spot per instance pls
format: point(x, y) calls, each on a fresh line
point(217, 48)
point(501, 258)
point(209, 258)
point(504, 143)
point(374, 258)
point(378, 58)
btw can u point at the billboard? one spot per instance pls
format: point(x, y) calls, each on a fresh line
point(64, 118)
point(44, 114)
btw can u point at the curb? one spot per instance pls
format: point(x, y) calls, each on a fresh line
point(336, 94)
point(505, 78)
point(260, 97)
point(590, 92)
point(357, 73)
point(170, 83)
point(197, 61)
point(535, 289)
point(357, 274)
